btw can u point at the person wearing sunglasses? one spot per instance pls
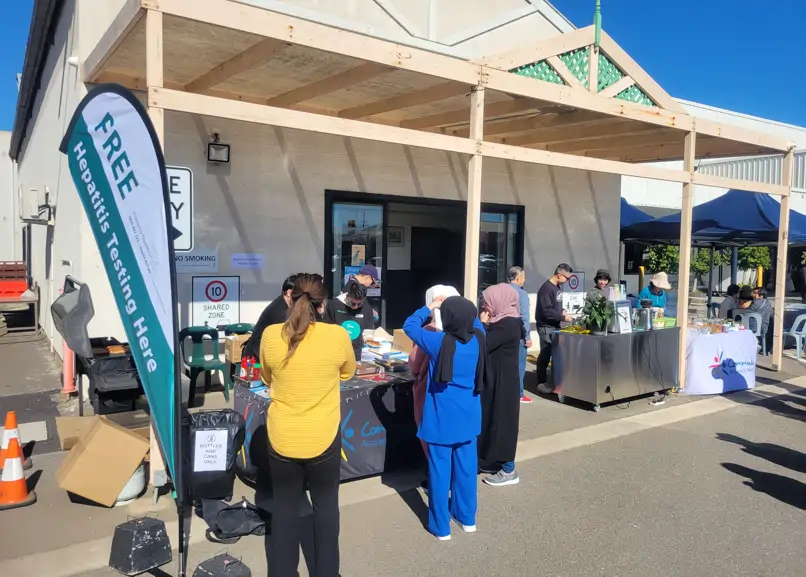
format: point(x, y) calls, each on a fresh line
point(352, 310)
point(549, 314)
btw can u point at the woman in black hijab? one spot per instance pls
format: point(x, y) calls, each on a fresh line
point(452, 410)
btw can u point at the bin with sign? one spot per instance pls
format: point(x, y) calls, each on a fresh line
point(216, 301)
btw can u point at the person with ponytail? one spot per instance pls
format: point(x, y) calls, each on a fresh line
point(451, 419)
point(303, 362)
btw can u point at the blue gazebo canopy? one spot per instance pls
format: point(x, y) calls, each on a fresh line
point(736, 218)
point(631, 215)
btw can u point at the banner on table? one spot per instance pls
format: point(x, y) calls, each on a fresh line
point(118, 169)
point(720, 363)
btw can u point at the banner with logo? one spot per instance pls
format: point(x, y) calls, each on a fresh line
point(118, 169)
point(720, 363)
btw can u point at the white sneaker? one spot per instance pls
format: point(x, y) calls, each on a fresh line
point(445, 538)
point(465, 528)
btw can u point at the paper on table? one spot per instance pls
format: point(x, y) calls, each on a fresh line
point(210, 452)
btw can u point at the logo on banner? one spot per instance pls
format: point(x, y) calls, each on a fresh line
point(730, 366)
point(347, 433)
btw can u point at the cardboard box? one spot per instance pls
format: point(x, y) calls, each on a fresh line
point(101, 462)
point(402, 342)
point(233, 347)
point(71, 429)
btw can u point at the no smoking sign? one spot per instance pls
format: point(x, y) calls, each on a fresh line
point(216, 301)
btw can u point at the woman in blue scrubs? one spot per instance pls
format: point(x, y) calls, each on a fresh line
point(452, 411)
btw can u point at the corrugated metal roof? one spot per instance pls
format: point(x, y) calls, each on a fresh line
point(758, 169)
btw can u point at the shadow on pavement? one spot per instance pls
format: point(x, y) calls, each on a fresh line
point(784, 489)
point(782, 456)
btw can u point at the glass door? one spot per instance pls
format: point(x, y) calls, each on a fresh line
point(500, 246)
point(358, 239)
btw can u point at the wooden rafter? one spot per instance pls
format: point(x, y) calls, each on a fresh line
point(330, 84)
point(129, 16)
point(561, 69)
point(585, 132)
point(631, 68)
point(462, 115)
point(617, 87)
point(431, 94)
point(241, 62)
point(649, 138)
point(542, 50)
point(564, 119)
point(706, 148)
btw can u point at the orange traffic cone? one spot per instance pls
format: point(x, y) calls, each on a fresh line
point(11, 432)
point(13, 487)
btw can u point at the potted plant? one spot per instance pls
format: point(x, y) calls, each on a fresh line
point(597, 313)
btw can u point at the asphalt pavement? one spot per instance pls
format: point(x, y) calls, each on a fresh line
point(708, 489)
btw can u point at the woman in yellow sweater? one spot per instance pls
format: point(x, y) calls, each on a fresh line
point(303, 361)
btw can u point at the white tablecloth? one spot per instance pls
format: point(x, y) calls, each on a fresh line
point(720, 363)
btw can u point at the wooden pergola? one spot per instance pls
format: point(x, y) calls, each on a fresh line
point(542, 103)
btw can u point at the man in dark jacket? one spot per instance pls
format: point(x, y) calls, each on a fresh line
point(273, 314)
point(549, 314)
point(351, 310)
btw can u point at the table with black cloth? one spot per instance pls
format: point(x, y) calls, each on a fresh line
point(377, 427)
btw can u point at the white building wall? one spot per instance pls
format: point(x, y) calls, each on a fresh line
point(10, 241)
point(271, 200)
point(68, 247)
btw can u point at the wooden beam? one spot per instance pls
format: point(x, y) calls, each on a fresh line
point(247, 18)
point(606, 143)
point(431, 94)
point(297, 120)
point(473, 220)
point(125, 21)
point(155, 70)
point(737, 184)
point(241, 62)
point(593, 69)
point(460, 115)
point(561, 69)
point(631, 68)
point(330, 84)
point(617, 87)
point(787, 174)
point(684, 274)
point(567, 134)
point(535, 52)
point(707, 147)
point(565, 119)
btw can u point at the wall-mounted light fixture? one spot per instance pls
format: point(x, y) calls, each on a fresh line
point(217, 152)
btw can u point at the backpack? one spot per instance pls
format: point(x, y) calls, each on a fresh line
point(228, 523)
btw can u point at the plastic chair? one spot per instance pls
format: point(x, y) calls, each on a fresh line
point(238, 329)
point(197, 363)
point(745, 319)
point(798, 332)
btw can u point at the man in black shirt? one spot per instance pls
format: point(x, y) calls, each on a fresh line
point(274, 314)
point(351, 310)
point(549, 314)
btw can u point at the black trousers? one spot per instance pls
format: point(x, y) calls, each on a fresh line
point(544, 356)
point(289, 478)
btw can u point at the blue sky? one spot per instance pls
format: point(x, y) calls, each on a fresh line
point(743, 55)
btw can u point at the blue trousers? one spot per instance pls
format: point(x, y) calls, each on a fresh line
point(452, 486)
point(522, 364)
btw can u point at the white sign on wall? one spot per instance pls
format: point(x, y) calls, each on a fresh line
point(180, 187)
point(216, 300)
point(197, 261)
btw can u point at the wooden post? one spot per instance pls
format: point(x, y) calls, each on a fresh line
point(780, 267)
point(593, 69)
point(683, 274)
point(154, 77)
point(473, 223)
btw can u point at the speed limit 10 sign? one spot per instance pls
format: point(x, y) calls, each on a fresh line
point(576, 282)
point(216, 301)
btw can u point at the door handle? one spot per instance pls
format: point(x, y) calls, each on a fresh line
point(335, 258)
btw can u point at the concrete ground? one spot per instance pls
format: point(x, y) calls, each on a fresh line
point(596, 499)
